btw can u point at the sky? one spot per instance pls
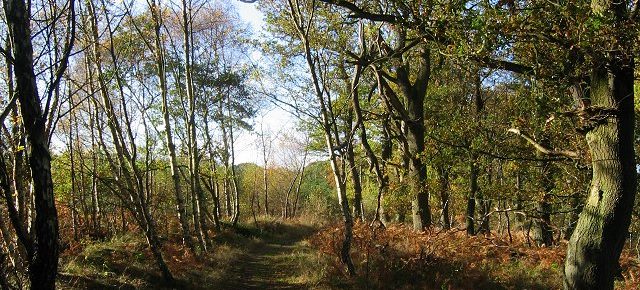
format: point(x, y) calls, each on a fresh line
point(249, 13)
point(274, 121)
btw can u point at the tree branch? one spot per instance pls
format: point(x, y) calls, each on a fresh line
point(64, 62)
point(504, 65)
point(544, 150)
point(357, 12)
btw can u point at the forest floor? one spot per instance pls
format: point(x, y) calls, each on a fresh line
point(273, 255)
point(298, 255)
point(273, 263)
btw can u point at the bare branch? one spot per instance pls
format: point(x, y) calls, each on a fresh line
point(544, 150)
point(64, 62)
point(357, 12)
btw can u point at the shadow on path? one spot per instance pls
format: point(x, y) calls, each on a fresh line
point(269, 264)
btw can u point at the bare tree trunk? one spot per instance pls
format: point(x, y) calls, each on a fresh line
point(471, 199)
point(43, 254)
point(74, 212)
point(474, 190)
point(234, 180)
point(132, 179)
point(199, 209)
point(265, 170)
point(173, 159)
point(299, 186)
point(95, 202)
point(597, 241)
point(444, 196)
point(331, 132)
point(355, 179)
point(287, 212)
point(225, 160)
point(374, 164)
point(213, 181)
point(543, 234)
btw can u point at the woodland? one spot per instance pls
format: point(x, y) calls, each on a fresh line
point(432, 144)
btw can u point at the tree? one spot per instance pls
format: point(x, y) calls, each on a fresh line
point(608, 118)
point(131, 185)
point(43, 251)
point(198, 203)
point(301, 16)
point(596, 243)
point(156, 12)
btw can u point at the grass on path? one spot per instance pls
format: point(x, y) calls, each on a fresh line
point(272, 255)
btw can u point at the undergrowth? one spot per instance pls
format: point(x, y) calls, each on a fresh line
point(298, 255)
point(397, 257)
point(124, 262)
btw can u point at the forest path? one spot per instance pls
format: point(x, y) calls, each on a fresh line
point(273, 262)
point(270, 255)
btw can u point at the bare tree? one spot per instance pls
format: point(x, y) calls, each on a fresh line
point(125, 163)
point(42, 250)
point(335, 145)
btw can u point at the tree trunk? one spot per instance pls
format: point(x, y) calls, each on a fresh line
point(95, 203)
point(470, 219)
point(520, 221)
point(154, 243)
point(232, 155)
point(225, 160)
point(543, 234)
point(331, 133)
point(265, 172)
point(299, 186)
point(413, 129)
point(43, 266)
point(173, 159)
point(444, 197)
point(357, 186)
point(417, 174)
point(131, 180)
point(72, 194)
point(214, 188)
point(597, 241)
point(198, 203)
point(287, 198)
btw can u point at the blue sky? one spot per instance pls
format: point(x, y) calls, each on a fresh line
point(275, 121)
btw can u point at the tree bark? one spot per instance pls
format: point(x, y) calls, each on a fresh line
point(358, 212)
point(72, 194)
point(597, 241)
point(470, 219)
point(198, 203)
point(44, 252)
point(543, 234)
point(130, 178)
point(232, 159)
point(265, 171)
point(415, 139)
point(173, 159)
point(299, 186)
point(95, 202)
point(444, 197)
point(330, 130)
point(213, 180)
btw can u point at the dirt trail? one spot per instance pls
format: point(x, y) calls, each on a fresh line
point(273, 256)
point(265, 267)
point(270, 263)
